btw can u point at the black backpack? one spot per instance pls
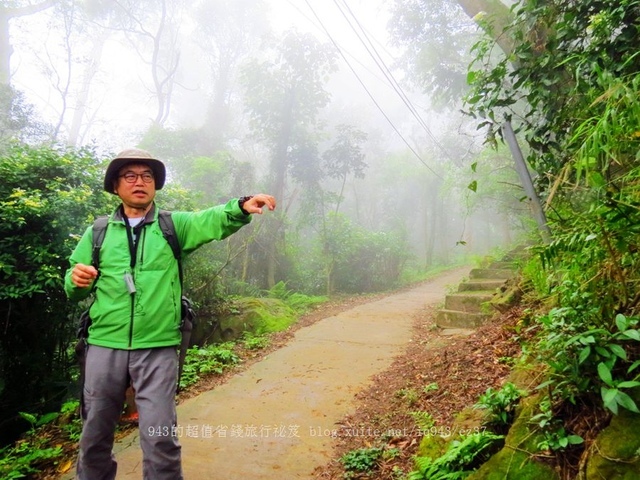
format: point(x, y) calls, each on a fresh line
point(188, 314)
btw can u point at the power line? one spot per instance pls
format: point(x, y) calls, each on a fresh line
point(353, 57)
point(368, 92)
point(373, 53)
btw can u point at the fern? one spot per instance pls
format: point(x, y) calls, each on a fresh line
point(461, 458)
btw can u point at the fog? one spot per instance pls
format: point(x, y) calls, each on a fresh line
point(107, 74)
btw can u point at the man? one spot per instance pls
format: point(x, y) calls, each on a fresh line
point(136, 313)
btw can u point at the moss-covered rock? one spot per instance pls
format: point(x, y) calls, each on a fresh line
point(526, 376)
point(508, 296)
point(432, 446)
point(254, 315)
point(616, 451)
point(469, 420)
point(516, 460)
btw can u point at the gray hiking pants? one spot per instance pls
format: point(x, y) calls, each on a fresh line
point(153, 374)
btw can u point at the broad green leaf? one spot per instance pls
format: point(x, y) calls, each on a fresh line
point(629, 384)
point(584, 354)
point(633, 366)
point(618, 351)
point(605, 374)
point(575, 439)
point(621, 322)
point(627, 402)
point(632, 334)
point(609, 398)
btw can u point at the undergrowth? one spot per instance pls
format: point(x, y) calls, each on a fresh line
point(463, 456)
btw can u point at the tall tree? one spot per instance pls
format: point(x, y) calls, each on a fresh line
point(345, 157)
point(153, 30)
point(226, 33)
point(10, 10)
point(16, 115)
point(341, 160)
point(436, 37)
point(284, 95)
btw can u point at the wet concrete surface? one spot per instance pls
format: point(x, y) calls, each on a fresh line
point(275, 420)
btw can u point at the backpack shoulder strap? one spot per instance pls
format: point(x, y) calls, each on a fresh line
point(99, 229)
point(169, 233)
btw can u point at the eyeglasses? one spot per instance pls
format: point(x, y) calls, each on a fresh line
point(131, 177)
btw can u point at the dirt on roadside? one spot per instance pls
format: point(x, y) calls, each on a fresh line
point(437, 375)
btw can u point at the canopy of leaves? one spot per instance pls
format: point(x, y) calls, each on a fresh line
point(569, 57)
point(436, 37)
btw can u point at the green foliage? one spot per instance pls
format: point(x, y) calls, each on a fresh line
point(410, 395)
point(294, 77)
point(72, 428)
point(437, 37)
point(18, 120)
point(345, 156)
point(254, 342)
point(205, 360)
point(500, 405)
point(363, 460)
point(461, 458)
point(48, 196)
point(562, 78)
point(535, 278)
point(589, 359)
point(432, 387)
point(35, 451)
point(38, 420)
point(29, 454)
point(351, 259)
point(299, 302)
point(424, 421)
point(23, 459)
point(591, 274)
point(555, 437)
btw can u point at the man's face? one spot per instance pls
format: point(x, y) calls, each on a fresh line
point(135, 185)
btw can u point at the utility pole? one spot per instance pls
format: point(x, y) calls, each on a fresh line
point(527, 183)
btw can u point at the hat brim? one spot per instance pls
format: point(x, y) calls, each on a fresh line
point(156, 166)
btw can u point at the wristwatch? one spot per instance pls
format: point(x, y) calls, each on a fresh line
point(241, 201)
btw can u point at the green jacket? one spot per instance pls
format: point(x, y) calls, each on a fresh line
point(150, 317)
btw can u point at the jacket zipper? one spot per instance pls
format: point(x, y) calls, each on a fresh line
point(133, 295)
point(133, 303)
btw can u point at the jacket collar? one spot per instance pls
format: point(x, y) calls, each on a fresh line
point(148, 218)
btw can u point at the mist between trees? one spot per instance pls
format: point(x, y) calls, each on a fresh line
point(371, 193)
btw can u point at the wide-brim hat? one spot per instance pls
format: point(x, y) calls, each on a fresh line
point(134, 155)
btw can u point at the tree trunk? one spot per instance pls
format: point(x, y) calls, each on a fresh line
point(492, 16)
point(279, 174)
point(6, 49)
point(217, 118)
point(80, 107)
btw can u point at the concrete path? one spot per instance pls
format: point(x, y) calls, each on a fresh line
point(275, 419)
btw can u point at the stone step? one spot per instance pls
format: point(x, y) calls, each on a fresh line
point(467, 301)
point(491, 273)
point(456, 319)
point(481, 284)
point(503, 265)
